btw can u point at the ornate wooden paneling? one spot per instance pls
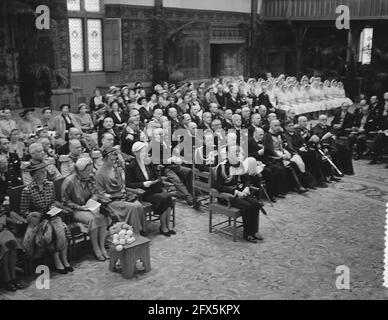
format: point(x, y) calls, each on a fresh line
point(134, 37)
point(323, 9)
point(209, 27)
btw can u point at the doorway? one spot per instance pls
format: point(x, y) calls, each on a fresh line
point(226, 60)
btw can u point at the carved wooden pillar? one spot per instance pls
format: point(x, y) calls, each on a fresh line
point(299, 32)
point(352, 47)
point(252, 43)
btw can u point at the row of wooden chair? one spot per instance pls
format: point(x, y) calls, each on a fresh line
point(76, 229)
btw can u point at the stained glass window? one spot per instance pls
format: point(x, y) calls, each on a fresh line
point(95, 54)
point(76, 45)
point(92, 5)
point(74, 5)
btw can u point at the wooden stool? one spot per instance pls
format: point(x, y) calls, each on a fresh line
point(140, 249)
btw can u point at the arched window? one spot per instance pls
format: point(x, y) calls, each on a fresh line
point(139, 57)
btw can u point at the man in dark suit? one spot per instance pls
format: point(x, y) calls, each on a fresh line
point(264, 100)
point(376, 108)
point(381, 140)
point(365, 124)
point(343, 120)
point(276, 149)
point(274, 173)
point(302, 142)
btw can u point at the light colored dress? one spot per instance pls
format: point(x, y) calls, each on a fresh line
point(112, 182)
point(75, 194)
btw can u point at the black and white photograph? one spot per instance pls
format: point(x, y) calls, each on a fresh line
point(212, 151)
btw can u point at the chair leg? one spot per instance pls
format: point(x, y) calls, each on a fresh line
point(210, 221)
point(234, 229)
point(230, 221)
point(173, 216)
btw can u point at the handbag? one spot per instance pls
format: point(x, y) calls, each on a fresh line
point(44, 235)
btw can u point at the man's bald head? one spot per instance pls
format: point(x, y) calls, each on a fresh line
point(302, 122)
point(36, 151)
point(75, 147)
point(74, 133)
point(259, 134)
point(275, 126)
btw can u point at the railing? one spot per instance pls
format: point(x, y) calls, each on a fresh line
point(323, 9)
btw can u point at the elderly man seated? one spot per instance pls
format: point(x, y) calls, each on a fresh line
point(277, 149)
point(67, 162)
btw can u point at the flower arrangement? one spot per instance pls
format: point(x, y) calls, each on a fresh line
point(122, 235)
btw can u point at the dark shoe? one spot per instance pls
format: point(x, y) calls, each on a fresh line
point(357, 157)
point(272, 199)
point(10, 287)
point(323, 185)
point(189, 201)
point(69, 269)
point(19, 285)
point(172, 232)
point(281, 196)
point(143, 233)
point(251, 239)
point(61, 271)
point(197, 205)
point(166, 234)
point(373, 161)
point(100, 258)
point(258, 236)
point(313, 188)
point(334, 179)
point(301, 190)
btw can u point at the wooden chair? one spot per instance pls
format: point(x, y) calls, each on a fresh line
point(201, 185)
point(150, 216)
point(215, 208)
point(77, 235)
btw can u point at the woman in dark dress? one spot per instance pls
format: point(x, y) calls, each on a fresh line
point(141, 175)
point(118, 116)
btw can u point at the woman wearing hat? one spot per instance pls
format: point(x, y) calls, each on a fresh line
point(110, 184)
point(141, 175)
point(77, 190)
point(44, 232)
point(84, 119)
point(65, 121)
point(28, 124)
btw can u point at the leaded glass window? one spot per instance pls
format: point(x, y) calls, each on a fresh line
point(76, 45)
point(95, 55)
point(74, 5)
point(92, 5)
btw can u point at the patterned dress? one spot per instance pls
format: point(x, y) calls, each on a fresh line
point(35, 203)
